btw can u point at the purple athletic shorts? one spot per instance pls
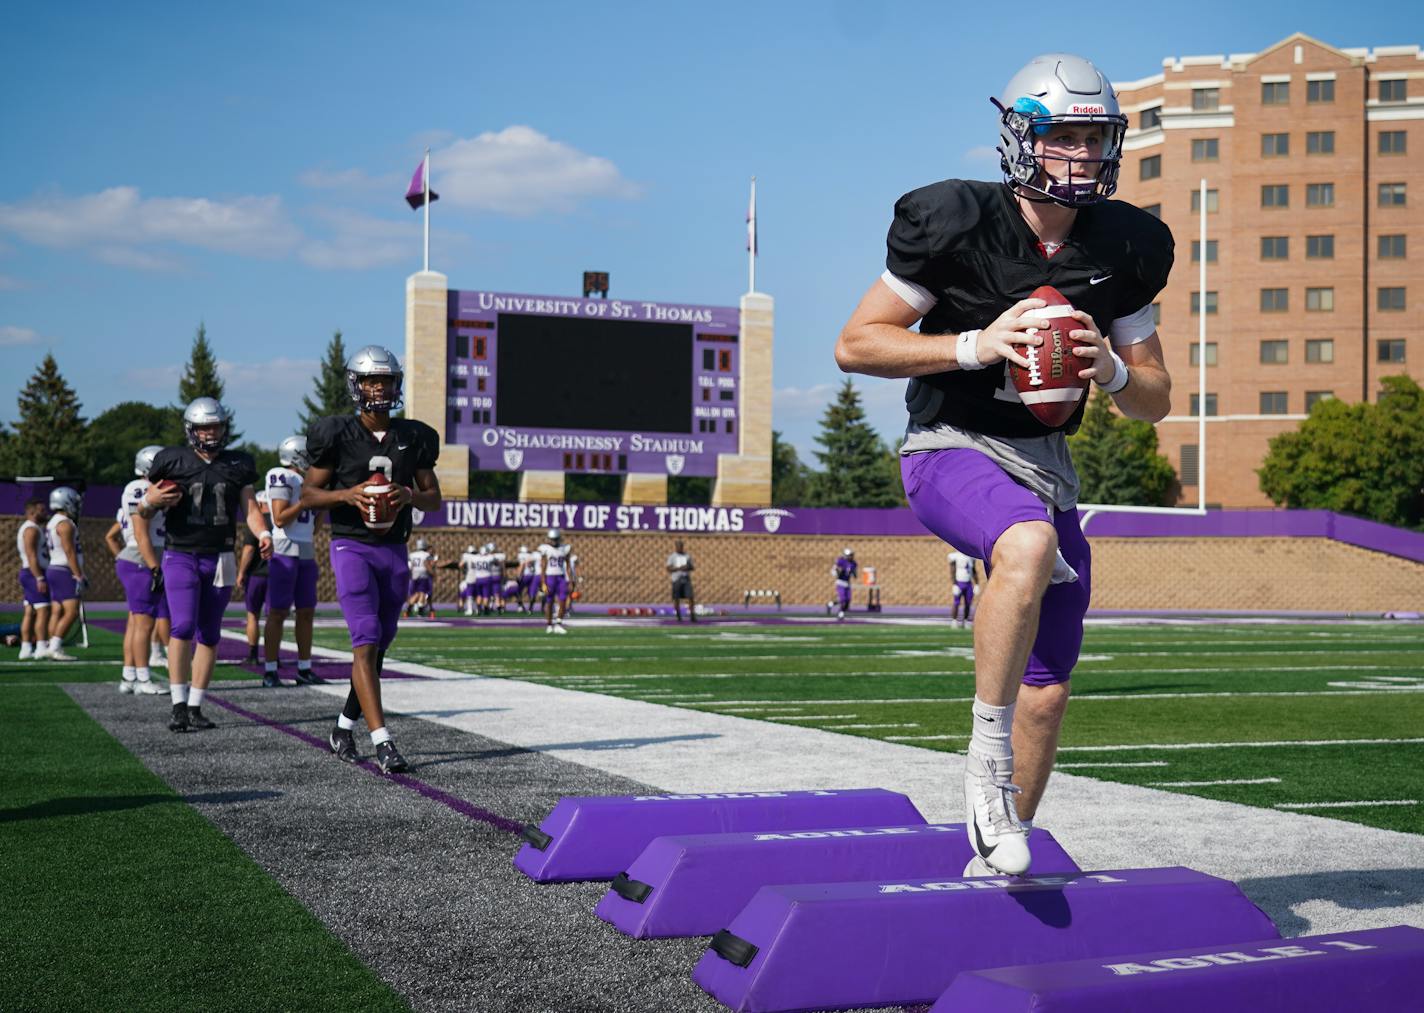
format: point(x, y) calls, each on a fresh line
point(966, 591)
point(372, 584)
point(466, 591)
point(843, 595)
point(34, 597)
point(135, 579)
point(558, 586)
point(254, 593)
point(291, 580)
point(197, 605)
point(62, 585)
point(420, 585)
point(969, 501)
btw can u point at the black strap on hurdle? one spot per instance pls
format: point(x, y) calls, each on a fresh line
point(535, 836)
point(732, 948)
point(631, 889)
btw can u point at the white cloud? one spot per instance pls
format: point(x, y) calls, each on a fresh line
point(11, 335)
point(265, 395)
point(359, 241)
point(519, 171)
point(792, 405)
point(139, 260)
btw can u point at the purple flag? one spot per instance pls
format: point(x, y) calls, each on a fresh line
point(415, 196)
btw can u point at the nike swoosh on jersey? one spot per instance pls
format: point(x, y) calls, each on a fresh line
point(402, 446)
point(1099, 281)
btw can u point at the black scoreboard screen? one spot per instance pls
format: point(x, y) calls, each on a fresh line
point(575, 373)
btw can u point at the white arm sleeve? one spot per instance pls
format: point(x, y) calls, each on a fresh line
point(917, 297)
point(1134, 327)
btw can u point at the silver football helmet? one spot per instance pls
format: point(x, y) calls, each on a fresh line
point(66, 499)
point(143, 460)
point(1059, 88)
point(205, 412)
point(524, 550)
point(421, 545)
point(292, 452)
point(555, 536)
point(373, 360)
point(849, 552)
point(469, 550)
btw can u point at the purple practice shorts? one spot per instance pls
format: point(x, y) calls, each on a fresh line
point(197, 605)
point(419, 585)
point(969, 501)
point(62, 586)
point(372, 584)
point(254, 594)
point(558, 586)
point(34, 597)
point(843, 595)
point(290, 580)
point(466, 591)
point(135, 580)
point(529, 584)
point(966, 592)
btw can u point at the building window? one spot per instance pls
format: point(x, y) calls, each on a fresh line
point(1210, 251)
point(1206, 99)
point(1210, 303)
point(1390, 350)
point(1320, 142)
point(1194, 406)
point(1320, 91)
point(1275, 300)
point(1320, 300)
point(1320, 350)
point(1150, 168)
point(1391, 247)
point(1320, 247)
point(1313, 397)
point(1390, 299)
point(1155, 210)
point(1275, 195)
point(1273, 402)
point(1195, 353)
point(1319, 195)
point(1206, 149)
point(1187, 471)
point(1275, 93)
point(1391, 195)
point(1275, 353)
point(1393, 142)
point(1393, 90)
point(1275, 145)
point(1212, 203)
point(1149, 119)
point(1275, 247)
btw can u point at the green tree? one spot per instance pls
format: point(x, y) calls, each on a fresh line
point(500, 485)
point(853, 461)
point(201, 379)
point(264, 457)
point(1117, 460)
point(117, 434)
point(690, 490)
point(1363, 459)
point(789, 475)
point(329, 395)
point(50, 435)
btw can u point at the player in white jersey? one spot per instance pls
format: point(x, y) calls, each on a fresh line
point(965, 584)
point(292, 570)
point(480, 579)
point(527, 579)
point(134, 563)
point(497, 561)
point(65, 575)
point(422, 563)
point(34, 560)
point(466, 567)
point(554, 580)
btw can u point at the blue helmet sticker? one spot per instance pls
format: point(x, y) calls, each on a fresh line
point(1033, 109)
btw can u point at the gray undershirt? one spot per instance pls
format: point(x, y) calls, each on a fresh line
point(1040, 464)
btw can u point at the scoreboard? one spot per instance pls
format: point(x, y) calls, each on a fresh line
point(591, 385)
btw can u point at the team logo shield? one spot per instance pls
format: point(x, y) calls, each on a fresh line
point(771, 518)
point(513, 459)
point(675, 463)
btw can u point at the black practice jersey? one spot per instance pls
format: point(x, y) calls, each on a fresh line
point(968, 244)
point(343, 445)
point(205, 519)
point(245, 537)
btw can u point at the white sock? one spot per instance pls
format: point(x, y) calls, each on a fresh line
point(269, 666)
point(128, 673)
point(143, 674)
point(178, 691)
point(55, 644)
point(380, 735)
point(195, 697)
point(27, 647)
point(993, 728)
point(302, 666)
point(345, 723)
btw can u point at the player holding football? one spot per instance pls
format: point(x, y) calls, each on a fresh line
point(979, 469)
point(372, 574)
point(291, 573)
point(205, 490)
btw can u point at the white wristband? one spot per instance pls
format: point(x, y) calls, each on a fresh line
point(1119, 380)
point(966, 350)
point(264, 534)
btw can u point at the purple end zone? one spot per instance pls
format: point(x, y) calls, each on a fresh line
point(597, 837)
point(898, 943)
point(1379, 969)
point(696, 885)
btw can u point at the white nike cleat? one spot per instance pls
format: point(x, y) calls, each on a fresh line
point(977, 869)
point(156, 660)
point(549, 629)
point(560, 629)
point(126, 685)
point(59, 655)
point(145, 687)
point(991, 819)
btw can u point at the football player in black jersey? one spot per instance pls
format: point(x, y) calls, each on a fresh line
point(372, 577)
point(979, 469)
point(210, 494)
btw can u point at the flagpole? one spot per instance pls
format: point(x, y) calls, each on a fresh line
point(427, 210)
point(751, 242)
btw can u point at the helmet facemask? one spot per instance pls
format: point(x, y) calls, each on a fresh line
point(1080, 182)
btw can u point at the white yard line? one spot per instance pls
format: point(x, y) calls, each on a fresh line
point(1240, 745)
point(858, 727)
point(1213, 784)
point(1141, 763)
point(1344, 805)
point(1091, 697)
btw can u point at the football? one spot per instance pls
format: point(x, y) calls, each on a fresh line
point(164, 484)
point(381, 514)
point(1050, 387)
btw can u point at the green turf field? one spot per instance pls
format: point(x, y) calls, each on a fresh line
point(1326, 719)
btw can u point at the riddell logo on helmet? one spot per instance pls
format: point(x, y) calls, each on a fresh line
point(1088, 110)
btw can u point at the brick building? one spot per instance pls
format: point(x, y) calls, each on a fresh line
point(1315, 231)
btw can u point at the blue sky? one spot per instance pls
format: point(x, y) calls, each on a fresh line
point(165, 164)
